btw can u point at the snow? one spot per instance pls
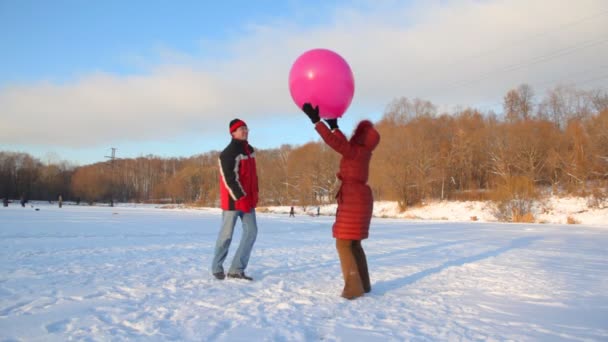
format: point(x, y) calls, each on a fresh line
point(136, 272)
point(551, 210)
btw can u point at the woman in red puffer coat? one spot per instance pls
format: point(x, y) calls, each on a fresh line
point(355, 200)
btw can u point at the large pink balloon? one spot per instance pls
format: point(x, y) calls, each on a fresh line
point(322, 78)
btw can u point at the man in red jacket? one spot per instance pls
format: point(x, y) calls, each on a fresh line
point(355, 201)
point(239, 197)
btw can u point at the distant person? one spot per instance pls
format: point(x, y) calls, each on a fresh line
point(60, 200)
point(318, 211)
point(355, 201)
point(77, 200)
point(23, 200)
point(5, 201)
point(239, 197)
point(292, 212)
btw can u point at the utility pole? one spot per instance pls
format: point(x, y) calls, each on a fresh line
point(112, 158)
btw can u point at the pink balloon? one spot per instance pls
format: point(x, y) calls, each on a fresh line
point(322, 78)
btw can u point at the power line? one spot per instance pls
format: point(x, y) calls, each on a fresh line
point(535, 60)
point(577, 84)
point(529, 62)
point(530, 37)
point(571, 75)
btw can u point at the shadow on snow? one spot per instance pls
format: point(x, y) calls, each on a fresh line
point(380, 288)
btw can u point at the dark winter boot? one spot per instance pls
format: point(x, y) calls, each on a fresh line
point(362, 265)
point(353, 287)
point(240, 275)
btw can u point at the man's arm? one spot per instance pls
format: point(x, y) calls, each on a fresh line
point(230, 175)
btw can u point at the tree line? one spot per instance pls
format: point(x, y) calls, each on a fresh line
point(557, 144)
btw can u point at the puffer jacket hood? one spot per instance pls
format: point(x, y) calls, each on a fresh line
point(365, 135)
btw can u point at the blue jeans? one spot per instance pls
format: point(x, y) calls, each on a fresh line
point(250, 232)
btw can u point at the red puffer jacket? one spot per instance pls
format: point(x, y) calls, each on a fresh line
point(355, 200)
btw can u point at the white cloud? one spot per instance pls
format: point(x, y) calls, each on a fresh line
point(449, 52)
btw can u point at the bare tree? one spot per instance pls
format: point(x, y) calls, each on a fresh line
point(599, 99)
point(564, 103)
point(518, 103)
point(402, 110)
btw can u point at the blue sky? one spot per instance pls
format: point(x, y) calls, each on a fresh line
point(61, 40)
point(165, 77)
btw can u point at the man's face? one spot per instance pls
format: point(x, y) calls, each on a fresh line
point(241, 133)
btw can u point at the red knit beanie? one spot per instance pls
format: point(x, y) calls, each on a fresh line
point(235, 124)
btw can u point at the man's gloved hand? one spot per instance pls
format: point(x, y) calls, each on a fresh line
point(313, 113)
point(333, 123)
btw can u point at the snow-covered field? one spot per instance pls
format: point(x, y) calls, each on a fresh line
point(141, 273)
point(549, 210)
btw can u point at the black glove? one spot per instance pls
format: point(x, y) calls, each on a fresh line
point(333, 123)
point(313, 113)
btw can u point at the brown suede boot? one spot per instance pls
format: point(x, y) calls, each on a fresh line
point(362, 265)
point(353, 287)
